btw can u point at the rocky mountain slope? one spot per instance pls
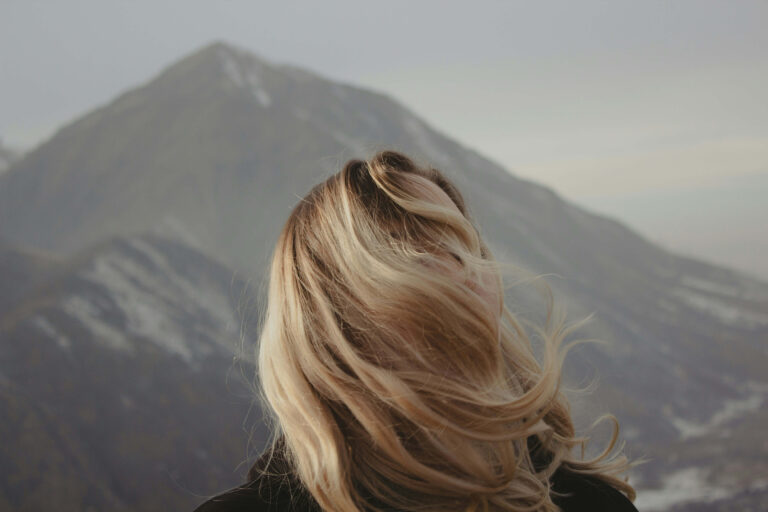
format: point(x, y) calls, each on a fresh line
point(7, 156)
point(118, 388)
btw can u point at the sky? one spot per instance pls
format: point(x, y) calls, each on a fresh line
point(619, 106)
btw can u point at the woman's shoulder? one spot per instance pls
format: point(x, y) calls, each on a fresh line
point(269, 493)
point(272, 487)
point(266, 493)
point(577, 492)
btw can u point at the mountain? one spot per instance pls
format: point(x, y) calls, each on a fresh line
point(7, 157)
point(117, 382)
point(219, 146)
point(706, 220)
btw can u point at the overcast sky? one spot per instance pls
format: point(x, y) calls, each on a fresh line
point(595, 99)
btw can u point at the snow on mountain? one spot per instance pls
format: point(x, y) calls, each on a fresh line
point(118, 367)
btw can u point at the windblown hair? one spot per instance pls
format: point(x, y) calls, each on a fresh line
point(390, 379)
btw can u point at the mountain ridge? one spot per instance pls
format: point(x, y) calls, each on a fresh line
point(118, 391)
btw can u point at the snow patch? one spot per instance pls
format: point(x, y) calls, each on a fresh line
point(684, 485)
point(253, 80)
point(49, 329)
point(90, 316)
point(710, 286)
point(720, 309)
point(155, 256)
point(173, 227)
point(158, 305)
point(688, 429)
point(146, 315)
point(244, 76)
point(730, 409)
point(231, 69)
point(204, 299)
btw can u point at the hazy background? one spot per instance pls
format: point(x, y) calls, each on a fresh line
point(652, 112)
point(150, 152)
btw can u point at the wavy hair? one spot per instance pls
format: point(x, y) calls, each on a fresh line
point(393, 371)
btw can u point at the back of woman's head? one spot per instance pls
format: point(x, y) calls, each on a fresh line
point(396, 374)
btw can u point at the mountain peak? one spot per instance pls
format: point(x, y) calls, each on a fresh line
point(216, 65)
point(222, 47)
point(243, 69)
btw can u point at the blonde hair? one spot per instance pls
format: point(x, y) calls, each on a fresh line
point(389, 379)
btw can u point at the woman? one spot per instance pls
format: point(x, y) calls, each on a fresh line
point(397, 377)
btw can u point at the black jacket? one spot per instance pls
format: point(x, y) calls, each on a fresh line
point(281, 491)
